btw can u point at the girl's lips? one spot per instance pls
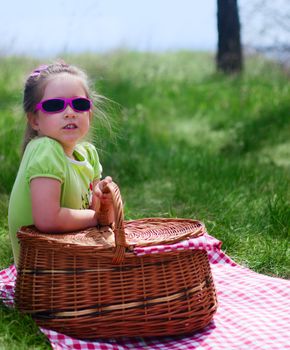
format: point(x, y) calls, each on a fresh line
point(70, 126)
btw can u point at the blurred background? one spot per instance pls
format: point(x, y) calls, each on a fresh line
point(45, 29)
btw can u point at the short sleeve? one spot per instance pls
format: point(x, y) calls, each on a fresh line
point(45, 159)
point(93, 159)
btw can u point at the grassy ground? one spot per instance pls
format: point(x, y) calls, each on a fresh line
point(185, 142)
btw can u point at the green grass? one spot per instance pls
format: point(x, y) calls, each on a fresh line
point(185, 142)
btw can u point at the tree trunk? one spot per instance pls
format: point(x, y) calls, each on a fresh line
point(229, 56)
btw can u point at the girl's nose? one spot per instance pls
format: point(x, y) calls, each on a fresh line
point(69, 112)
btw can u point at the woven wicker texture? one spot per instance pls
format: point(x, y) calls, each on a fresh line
point(90, 284)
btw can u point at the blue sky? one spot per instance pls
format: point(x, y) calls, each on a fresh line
point(48, 27)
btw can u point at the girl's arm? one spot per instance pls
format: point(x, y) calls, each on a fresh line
point(49, 216)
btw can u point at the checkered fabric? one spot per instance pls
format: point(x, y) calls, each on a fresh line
point(253, 312)
point(204, 242)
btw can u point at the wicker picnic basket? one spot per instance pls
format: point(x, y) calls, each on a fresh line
point(86, 285)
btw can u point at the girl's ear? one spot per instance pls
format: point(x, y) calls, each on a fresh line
point(33, 120)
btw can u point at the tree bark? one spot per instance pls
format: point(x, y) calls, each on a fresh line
point(229, 55)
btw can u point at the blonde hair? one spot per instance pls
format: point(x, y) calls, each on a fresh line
point(36, 83)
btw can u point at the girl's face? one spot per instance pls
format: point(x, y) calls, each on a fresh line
point(67, 127)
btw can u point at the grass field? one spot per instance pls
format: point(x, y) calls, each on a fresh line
point(184, 142)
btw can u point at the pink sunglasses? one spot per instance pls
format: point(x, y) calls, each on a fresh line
point(56, 105)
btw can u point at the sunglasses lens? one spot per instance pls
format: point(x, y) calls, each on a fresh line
point(81, 104)
point(53, 105)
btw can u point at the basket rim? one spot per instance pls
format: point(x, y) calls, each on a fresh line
point(195, 229)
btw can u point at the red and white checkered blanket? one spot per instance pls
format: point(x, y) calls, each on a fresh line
point(253, 310)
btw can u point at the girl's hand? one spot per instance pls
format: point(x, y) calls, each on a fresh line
point(103, 202)
point(101, 192)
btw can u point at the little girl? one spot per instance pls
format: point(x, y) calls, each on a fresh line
point(53, 187)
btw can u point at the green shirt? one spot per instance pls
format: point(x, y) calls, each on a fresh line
point(45, 157)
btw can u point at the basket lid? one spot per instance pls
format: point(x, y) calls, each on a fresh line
point(141, 232)
point(155, 231)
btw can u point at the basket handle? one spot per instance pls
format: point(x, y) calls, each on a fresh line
point(118, 226)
